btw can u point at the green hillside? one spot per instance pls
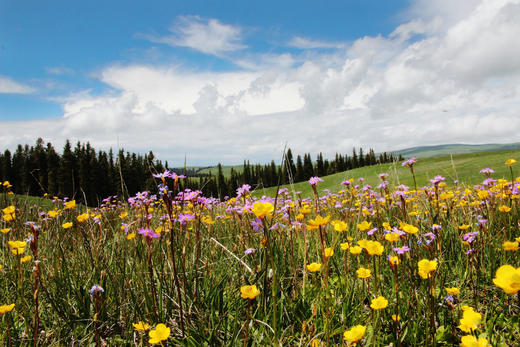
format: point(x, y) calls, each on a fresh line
point(432, 151)
point(464, 167)
point(226, 170)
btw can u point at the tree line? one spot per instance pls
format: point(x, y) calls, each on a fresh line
point(87, 175)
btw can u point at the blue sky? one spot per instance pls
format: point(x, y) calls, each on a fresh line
point(61, 45)
point(229, 80)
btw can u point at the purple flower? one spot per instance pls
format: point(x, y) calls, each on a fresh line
point(449, 298)
point(95, 290)
point(346, 183)
point(256, 224)
point(409, 162)
point(403, 187)
point(469, 251)
point(487, 171)
point(383, 176)
point(489, 182)
point(372, 231)
point(185, 218)
point(382, 185)
point(402, 250)
point(148, 233)
point(314, 180)
point(249, 251)
point(244, 190)
point(470, 237)
point(437, 179)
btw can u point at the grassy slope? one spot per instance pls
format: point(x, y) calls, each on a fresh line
point(24, 200)
point(226, 170)
point(431, 151)
point(465, 168)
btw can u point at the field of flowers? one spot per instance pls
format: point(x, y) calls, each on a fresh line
point(384, 265)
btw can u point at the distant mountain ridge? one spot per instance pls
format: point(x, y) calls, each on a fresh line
point(438, 150)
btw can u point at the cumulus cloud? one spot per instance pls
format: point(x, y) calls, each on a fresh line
point(9, 86)
point(441, 77)
point(208, 36)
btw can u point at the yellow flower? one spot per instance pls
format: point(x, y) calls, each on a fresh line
point(6, 308)
point(363, 273)
point(67, 225)
point(53, 213)
point(130, 236)
point(9, 217)
point(453, 291)
point(374, 248)
point(392, 237)
point(82, 217)
point(511, 245)
point(18, 251)
point(70, 204)
point(504, 208)
point(410, 229)
point(355, 250)
point(160, 333)
point(25, 259)
point(387, 226)
point(470, 320)
point(207, 220)
point(9, 210)
point(394, 260)
point(464, 227)
point(5, 230)
point(262, 209)
point(510, 162)
point(344, 246)
point(249, 292)
point(305, 209)
point(355, 333)
point(396, 318)
point(141, 326)
point(16, 244)
point(314, 267)
point(339, 225)
point(319, 221)
point(471, 341)
point(329, 252)
point(379, 303)
point(508, 278)
point(426, 267)
point(364, 226)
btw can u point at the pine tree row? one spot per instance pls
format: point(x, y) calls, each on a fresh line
point(87, 175)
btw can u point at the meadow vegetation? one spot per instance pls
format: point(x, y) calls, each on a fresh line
point(414, 258)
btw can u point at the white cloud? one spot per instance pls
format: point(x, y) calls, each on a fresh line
point(208, 36)
point(441, 77)
point(59, 70)
point(9, 86)
point(306, 43)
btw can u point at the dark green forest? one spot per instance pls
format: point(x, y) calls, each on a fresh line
point(87, 175)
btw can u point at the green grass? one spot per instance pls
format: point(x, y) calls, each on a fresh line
point(190, 276)
point(431, 151)
point(464, 167)
point(226, 170)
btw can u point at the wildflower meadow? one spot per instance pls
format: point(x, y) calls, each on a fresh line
point(364, 265)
